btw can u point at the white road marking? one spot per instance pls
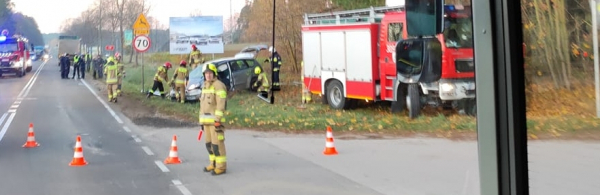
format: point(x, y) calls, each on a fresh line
point(147, 150)
point(6, 125)
point(126, 129)
point(181, 187)
point(31, 81)
point(161, 166)
point(13, 110)
point(3, 118)
point(110, 110)
point(137, 139)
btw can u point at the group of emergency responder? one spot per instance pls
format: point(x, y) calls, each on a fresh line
point(99, 67)
point(212, 100)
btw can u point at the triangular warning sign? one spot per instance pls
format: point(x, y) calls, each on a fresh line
point(141, 23)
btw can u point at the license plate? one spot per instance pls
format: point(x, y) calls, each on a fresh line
point(5, 60)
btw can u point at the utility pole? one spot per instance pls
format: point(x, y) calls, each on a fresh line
point(594, 9)
point(100, 29)
point(231, 22)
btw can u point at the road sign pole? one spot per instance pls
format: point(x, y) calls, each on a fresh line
point(141, 44)
point(143, 72)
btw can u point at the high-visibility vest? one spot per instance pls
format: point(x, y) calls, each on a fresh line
point(112, 74)
point(181, 75)
point(76, 59)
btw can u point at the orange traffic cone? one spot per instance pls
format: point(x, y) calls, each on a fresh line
point(329, 146)
point(31, 143)
point(173, 156)
point(78, 159)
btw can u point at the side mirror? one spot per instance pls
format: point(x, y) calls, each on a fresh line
point(419, 60)
point(424, 17)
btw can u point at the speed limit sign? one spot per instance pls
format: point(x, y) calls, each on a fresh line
point(141, 43)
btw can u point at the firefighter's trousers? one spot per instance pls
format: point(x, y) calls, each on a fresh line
point(305, 94)
point(119, 85)
point(215, 144)
point(112, 91)
point(157, 85)
point(180, 92)
point(194, 65)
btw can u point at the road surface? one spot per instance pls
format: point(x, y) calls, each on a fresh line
point(128, 159)
point(61, 109)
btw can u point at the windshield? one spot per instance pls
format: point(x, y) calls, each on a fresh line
point(8, 47)
point(458, 32)
point(197, 73)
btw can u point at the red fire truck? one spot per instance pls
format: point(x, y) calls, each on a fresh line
point(15, 55)
point(349, 56)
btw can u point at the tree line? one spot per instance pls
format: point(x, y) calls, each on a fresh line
point(255, 22)
point(105, 22)
point(19, 23)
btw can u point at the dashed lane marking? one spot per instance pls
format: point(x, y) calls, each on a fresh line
point(148, 151)
point(161, 166)
point(181, 187)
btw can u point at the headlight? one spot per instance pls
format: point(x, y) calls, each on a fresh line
point(46, 56)
point(194, 86)
point(29, 61)
point(447, 87)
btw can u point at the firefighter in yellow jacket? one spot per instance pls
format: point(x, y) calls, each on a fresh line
point(305, 92)
point(195, 57)
point(160, 78)
point(111, 73)
point(181, 77)
point(262, 82)
point(212, 107)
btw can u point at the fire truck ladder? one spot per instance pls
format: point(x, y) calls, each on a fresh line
point(370, 15)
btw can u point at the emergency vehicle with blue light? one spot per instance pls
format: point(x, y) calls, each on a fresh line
point(15, 55)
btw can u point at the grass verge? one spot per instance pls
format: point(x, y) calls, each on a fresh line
point(245, 110)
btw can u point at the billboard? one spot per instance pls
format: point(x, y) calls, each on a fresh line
point(206, 32)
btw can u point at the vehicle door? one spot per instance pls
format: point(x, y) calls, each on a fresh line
point(225, 75)
point(240, 72)
point(252, 63)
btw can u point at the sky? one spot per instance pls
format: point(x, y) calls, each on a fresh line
point(49, 20)
point(197, 26)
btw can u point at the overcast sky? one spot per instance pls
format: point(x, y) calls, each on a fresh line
point(49, 18)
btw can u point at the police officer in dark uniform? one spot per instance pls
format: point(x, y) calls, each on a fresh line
point(65, 65)
point(82, 65)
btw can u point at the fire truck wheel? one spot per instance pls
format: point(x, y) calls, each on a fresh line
point(471, 108)
point(335, 95)
point(400, 104)
point(413, 101)
point(28, 69)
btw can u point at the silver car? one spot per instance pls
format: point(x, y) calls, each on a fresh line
point(237, 73)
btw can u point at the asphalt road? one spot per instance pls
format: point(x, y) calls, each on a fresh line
point(60, 110)
point(127, 159)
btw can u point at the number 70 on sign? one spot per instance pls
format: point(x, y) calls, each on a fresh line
point(141, 43)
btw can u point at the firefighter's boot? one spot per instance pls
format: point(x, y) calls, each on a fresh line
point(218, 171)
point(210, 167)
point(148, 95)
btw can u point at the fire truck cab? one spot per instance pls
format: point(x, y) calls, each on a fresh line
point(15, 55)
